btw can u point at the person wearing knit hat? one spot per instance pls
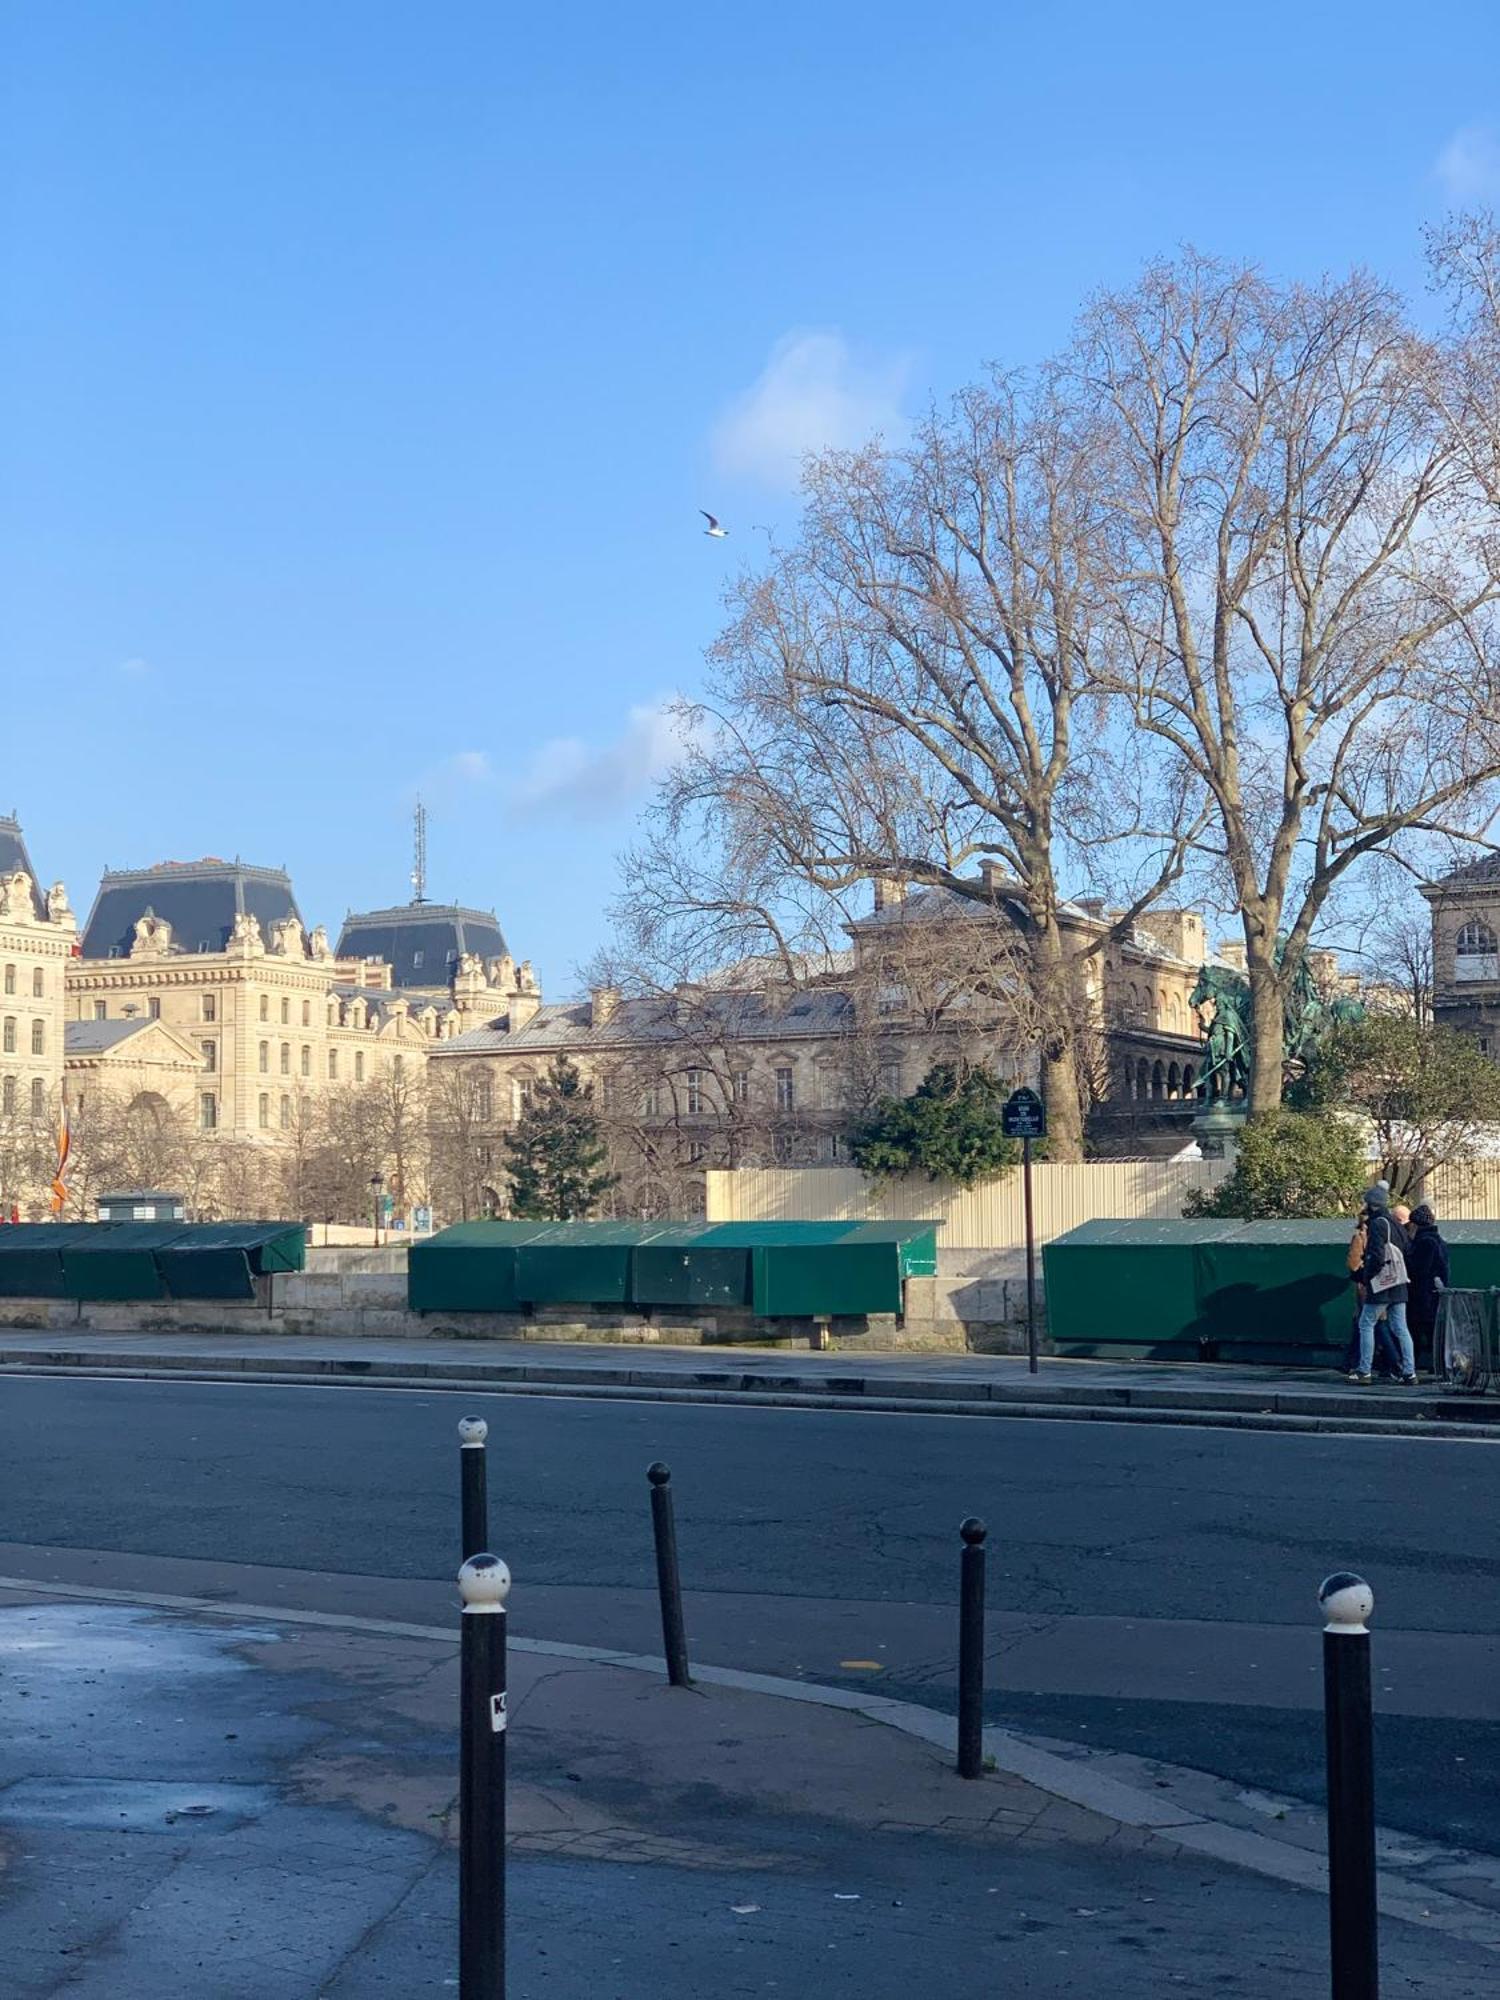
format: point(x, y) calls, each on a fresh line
point(1384, 1278)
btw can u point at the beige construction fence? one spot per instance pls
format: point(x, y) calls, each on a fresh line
point(992, 1218)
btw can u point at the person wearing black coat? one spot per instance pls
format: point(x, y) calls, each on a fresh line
point(1427, 1268)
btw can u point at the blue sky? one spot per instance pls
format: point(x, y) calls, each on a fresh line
point(362, 366)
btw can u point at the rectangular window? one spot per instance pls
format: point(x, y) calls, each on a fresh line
point(306, 1060)
point(210, 1006)
point(307, 1013)
point(835, 1148)
point(38, 983)
point(286, 1059)
point(265, 1112)
point(781, 1147)
point(208, 1111)
point(210, 1054)
point(265, 1058)
point(359, 1065)
point(286, 1114)
point(890, 1077)
point(333, 1065)
point(416, 960)
point(265, 1006)
point(38, 1097)
point(786, 1090)
point(101, 1010)
point(697, 1153)
point(10, 979)
point(484, 1100)
point(8, 1035)
point(740, 1081)
point(38, 1038)
point(694, 1093)
point(153, 1008)
point(398, 1063)
point(286, 1012)
point(520, 1095)
point(651, 1101)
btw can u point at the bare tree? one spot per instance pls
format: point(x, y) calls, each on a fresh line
point(915, 690)
point(460, 1123)
point(1304, 563)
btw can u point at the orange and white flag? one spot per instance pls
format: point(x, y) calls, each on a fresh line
point(64, 1148)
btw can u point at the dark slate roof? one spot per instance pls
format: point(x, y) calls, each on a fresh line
point(933, 905)
point(422, 942)
point(13, 855)
point(1485, 869)
point(199, 899)
point(569, 1024)
point(92, 1038)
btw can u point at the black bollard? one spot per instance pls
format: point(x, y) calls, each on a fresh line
point(971, 1650)
point(1347, 1601)
point(473, 1487)
point(668, 1580)
point(485, 1583)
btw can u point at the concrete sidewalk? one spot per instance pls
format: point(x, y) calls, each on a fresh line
point(248, 1806)
point(1222, 1395)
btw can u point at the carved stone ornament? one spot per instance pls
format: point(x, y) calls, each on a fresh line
point(153, 935)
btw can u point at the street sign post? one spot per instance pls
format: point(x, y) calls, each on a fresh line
point(1023, 1116)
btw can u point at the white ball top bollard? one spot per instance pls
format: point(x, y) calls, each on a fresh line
point(472, 1432)
point(1346, 1602)
point(484, 1583)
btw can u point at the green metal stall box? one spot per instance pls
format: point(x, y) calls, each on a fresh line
point(825, 1270)
point(117, 1260)
point(31, 1257)
point(580, 1263)
point(469, 1267)
point(707, 1267)
point(1129, 1288)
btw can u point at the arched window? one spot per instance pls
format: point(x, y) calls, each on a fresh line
point(10, 979)
point(1129, 1077)
point(1158, 1081)
point(38, 983)
point(38, 1038)
point(1174, 1081)
point(8, 1035)
point(1474, 953)
point(1189, 1081)
point(1143, 1078)
point(286, 1059)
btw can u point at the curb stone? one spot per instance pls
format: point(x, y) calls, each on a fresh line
point(1219, 1409)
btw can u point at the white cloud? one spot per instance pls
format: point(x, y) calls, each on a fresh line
point(1469, 166)
point(135, 668)
point(472, 766)
point(813, 394)
point(568, 776)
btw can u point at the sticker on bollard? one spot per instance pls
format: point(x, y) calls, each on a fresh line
point(498, 1714)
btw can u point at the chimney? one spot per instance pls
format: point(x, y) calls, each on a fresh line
point(604, 1002)
point(888, 892)
point(522, 1007)
point(993, 875)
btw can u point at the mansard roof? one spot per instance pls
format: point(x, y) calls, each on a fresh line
point(422, 942)
point(199, 899)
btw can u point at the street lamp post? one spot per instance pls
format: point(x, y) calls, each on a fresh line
point(377, 1192)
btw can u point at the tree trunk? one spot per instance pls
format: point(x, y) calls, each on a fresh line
point(1268, 1029)
point(1057, 1003)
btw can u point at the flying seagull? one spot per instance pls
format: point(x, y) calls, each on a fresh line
point(713, 527)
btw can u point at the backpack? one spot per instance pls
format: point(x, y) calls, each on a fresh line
point(1392, 1269)
point(1357, 1245)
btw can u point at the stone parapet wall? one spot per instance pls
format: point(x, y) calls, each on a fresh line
point(951, 1314)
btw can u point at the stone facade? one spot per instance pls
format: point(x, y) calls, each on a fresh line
point(1465, 910)
point(38, 935)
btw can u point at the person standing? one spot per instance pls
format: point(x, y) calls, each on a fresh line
point(1386, 1285)
point(1427, 1268)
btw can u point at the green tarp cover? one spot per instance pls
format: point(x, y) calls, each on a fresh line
point(31, 1264)
point(144, 1260)
point(117, 1260)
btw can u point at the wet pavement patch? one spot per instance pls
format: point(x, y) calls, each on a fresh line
point(99, 1805)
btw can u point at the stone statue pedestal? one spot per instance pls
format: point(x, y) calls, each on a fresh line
point(1217, 1130)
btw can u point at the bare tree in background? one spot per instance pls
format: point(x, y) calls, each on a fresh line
point(460, 1119)
point(1304, 553)
point(912, 691)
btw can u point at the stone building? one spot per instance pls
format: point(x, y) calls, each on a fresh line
point(1465, 910)
point(38, 935)
point(768, 1065)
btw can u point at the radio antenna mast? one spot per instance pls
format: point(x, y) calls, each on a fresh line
point(419, 856)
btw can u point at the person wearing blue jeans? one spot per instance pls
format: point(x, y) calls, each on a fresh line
point(1385, 1281)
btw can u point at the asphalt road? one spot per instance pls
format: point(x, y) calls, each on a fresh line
point(1151, 1589)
